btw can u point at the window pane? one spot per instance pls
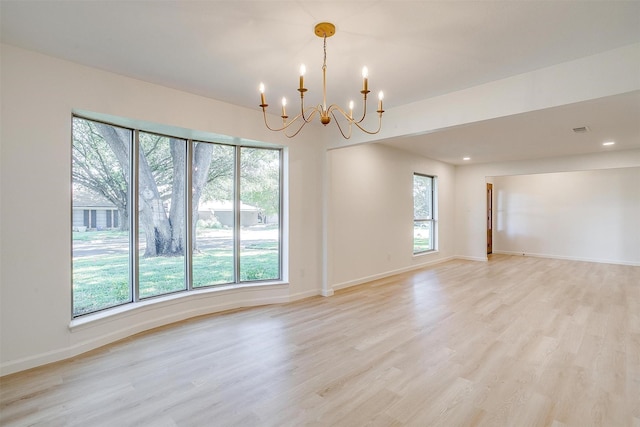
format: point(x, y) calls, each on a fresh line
point(227, 246)
point(422, 236)
point(423, 218)
point(161, 210)
point(100, 183)
point(259, 214)
point(422, 199)
point(213, 170)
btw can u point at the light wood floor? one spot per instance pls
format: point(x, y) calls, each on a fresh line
point(517, 341)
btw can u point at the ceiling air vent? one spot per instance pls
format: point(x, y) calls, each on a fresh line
point(582, 129)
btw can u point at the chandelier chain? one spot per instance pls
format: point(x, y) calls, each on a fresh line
point(324, 62)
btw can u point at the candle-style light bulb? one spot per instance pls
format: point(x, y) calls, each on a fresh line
point(262, 93)
point(303, 70)
point(380, 98)
point(365, 79)
point(351, 109)
point(284, 104)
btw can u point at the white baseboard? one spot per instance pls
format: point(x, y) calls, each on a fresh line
point(389, 273)
point(473, 258)
point(327, 293)
point(303, 295)
point(569, 258)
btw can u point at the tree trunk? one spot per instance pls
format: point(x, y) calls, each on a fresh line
point(202, 154)
point(123, 224)
point(178, 196)
point(164, 234)
point(153, 217)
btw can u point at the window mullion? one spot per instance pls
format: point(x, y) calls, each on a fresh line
point(188, 215)
point(280, 213)
point(134, 221)
point(236, 215)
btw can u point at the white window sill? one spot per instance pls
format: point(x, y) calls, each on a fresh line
point(129, 309)
point(426, 253)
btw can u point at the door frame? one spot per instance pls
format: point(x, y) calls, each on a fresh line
point(489, 217)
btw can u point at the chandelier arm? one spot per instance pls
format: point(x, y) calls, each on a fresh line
point(305, 120)
point(302, 106)
point(264, 114)
point(296, 132)
point(368, 131)
point(334, 107)
point(314, 111)
point(303, 111)
point(364, 109)
point(350, 121)
point(286, 125)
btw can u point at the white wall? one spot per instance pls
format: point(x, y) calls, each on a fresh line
point(336, 198)
point(371, 212)
point(39, 94)
point(582, 215)
point(471, 195)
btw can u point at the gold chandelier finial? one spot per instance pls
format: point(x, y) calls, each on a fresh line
point(324, 30)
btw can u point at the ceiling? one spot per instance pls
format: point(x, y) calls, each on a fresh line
point(414, 50)
point(537, 134)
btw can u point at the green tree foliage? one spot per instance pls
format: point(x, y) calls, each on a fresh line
point(260, 181)
point(422, 208)
point(97, 169)
point(101, 164)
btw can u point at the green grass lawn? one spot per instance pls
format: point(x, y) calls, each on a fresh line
point(421, 244)
point(92, 236)
point(102, 280)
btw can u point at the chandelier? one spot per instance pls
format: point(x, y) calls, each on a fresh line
point(324, 30)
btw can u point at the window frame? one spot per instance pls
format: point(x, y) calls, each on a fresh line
point(432, 221)
point(134, 226)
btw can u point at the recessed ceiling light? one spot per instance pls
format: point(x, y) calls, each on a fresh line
point(466, 158)
point(608, 143)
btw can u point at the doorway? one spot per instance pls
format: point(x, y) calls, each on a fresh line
point(489, 218)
